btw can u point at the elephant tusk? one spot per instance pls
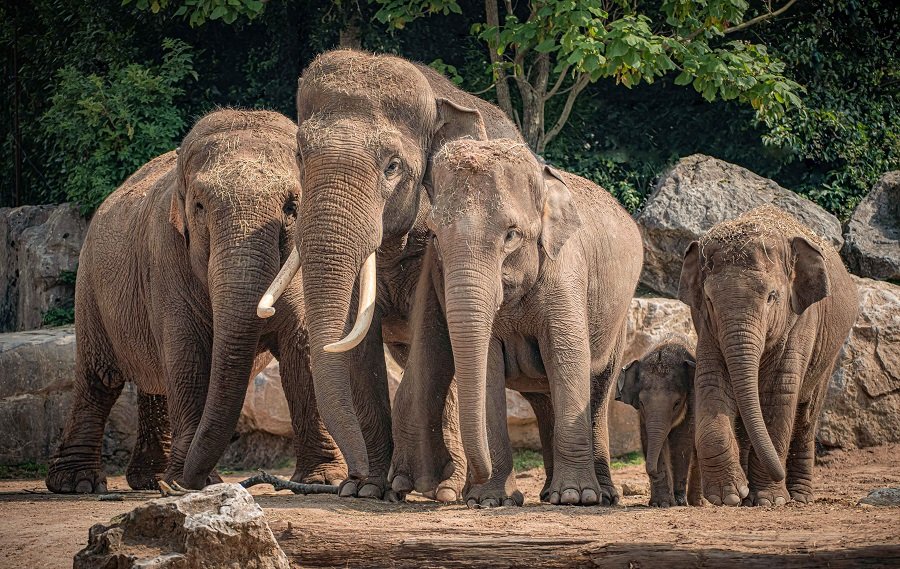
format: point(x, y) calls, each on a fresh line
point(265, 307)
point(364, 312)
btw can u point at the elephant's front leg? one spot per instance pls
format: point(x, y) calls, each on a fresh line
point(150, 456)
point(724, 481)
point(426, 417)
point(319, 461)
point(600, 388)
point(368, 374)
point(566, 355)
point(500, 489)
point(681, 449)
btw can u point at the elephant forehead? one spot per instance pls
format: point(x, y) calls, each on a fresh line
point(324, 129)
point(248, 176)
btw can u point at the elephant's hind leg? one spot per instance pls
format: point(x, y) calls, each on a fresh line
point(77, 468)
point(150, 456)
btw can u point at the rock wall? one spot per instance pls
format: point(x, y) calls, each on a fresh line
point(39, 244)
point(872, 235)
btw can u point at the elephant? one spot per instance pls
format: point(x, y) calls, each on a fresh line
point(172, 267)
point(772, 305)
point(534, 269)
point(367, 127)
point(660, 385)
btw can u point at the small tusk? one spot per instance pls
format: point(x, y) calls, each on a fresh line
point(265, 307)
point(365, 311)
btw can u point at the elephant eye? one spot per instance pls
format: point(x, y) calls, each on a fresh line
point(677, 404)
point(198, 207)
point(392, 168)
point(773, 296)
point(290, 209)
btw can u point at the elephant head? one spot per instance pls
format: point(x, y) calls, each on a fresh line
point(368, 124)
point(659, 386)
point(747, 282)
point(497, 215)
point(233, 206)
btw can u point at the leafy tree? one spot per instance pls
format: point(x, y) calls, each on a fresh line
point(198, 12)
point(101, 128)
point(556, 48)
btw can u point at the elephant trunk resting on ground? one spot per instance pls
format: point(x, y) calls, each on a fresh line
point(368, 126)
point(171, 270)
point(772, 305)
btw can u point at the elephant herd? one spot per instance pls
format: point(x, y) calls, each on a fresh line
point(425, 224)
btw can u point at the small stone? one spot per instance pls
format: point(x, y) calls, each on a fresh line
point(882, 497)
point(635, 489)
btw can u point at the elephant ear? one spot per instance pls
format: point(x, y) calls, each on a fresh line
point(690, 370)
point(176, 210)
point(810, 282)
point(689, 283)
point(559, 215)
point(628, 384)
point(453, 122)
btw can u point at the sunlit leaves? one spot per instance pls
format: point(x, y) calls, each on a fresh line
point(198, 12)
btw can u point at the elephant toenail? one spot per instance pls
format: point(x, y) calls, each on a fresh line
point(446, 495)
point(348, 489)
point(401, 483)
point(370, 491)
point(715, 500)
point(779, 501)
point(84, 487)
point(509, 502)
point(554, 498)
point(589, 497)
point(744, 491)
point(732, 500)
point(569, 496)
point(472, 504)
point(490, 503)
point(763, 502)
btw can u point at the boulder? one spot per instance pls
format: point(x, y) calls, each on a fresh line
point(49, 251)
point(700, 191)
point(220, 526)
point(35, 398)
point(872, 235)
point(13, 221)
point(862, 404)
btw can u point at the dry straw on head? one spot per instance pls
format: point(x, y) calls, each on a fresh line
point(482, 155)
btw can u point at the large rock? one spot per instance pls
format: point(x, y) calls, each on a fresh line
point(862, 405)
point(872, 236)
point(218, 527)
point(36, 394)
point(40, 244)
point(13, 221)
point(700, 191)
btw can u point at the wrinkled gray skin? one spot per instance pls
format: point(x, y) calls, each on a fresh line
point(368, 124)
point(660, 386)
point(772, 306)
point(534, 270)
point(173, 265)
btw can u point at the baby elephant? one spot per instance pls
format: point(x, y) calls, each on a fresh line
point(661, 387)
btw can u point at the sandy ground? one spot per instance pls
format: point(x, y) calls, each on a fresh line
point(38, 529)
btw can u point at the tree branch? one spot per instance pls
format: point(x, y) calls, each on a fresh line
point(558, 84)
point(503, 98)
point(761, 18)
point(281, 484)
point(579, 86)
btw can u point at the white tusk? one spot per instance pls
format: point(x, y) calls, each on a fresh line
point(265, 307)
point(364, 312)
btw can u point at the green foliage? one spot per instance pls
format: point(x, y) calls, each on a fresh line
point(198, 12)
point(102, 128)
point(26, 470)
point(525, 459)
point(59, 316)
point(631, 459)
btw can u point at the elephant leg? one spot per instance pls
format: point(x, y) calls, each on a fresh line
point(681, 448)
point(428, 455)
point(500, 489)
point(368, 375)
point(319, 461)
point(600, 389)
point(778, 401)
point(543, 410)
point(150, 456)
point(76, 468)
point(724, 481)
point(695, 484)
point(802, 453)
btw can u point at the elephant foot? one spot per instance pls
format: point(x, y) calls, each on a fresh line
point(802, 496)
point(728, 492)
point(573, 488)
point(443, 483)
point(772, 495)
point(493, 495)
point(665, 500)
point(142, 479)
point(75, 481)
point(681, 499)
point(332, 473)
point(545, 491)
point(371, 487)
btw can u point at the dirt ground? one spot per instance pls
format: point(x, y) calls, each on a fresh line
point(38, 529)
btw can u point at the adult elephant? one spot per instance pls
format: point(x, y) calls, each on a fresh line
point(368, 125)
point(772, 305)
point(172, 267)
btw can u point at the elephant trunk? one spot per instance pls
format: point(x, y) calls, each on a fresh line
point(336, 233)
point(239, 271)
point(742, 351)
point(657, 432)
point(470, 315)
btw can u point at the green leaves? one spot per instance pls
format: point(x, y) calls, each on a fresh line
point(198, 12)
point(102, 128)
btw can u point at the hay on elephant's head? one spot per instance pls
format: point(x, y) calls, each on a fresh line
point(482, 155)
point(764, 227)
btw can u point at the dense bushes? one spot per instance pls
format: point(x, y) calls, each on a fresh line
point(99, 96)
